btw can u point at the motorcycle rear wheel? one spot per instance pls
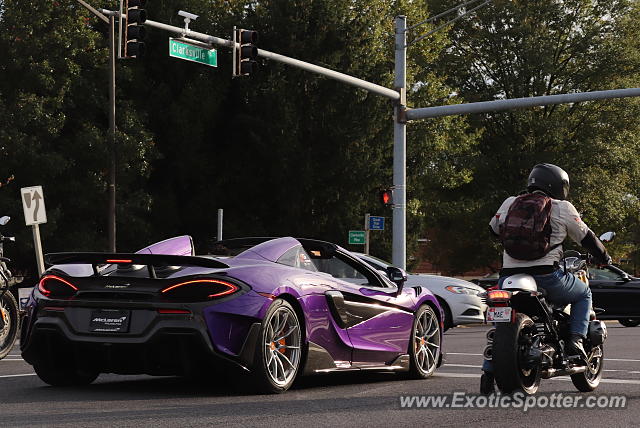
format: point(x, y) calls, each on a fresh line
point(590, 379)
point(511, 344)
point(10, 327)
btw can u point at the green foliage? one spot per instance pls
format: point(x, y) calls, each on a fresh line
point(53, 126)
point(530, 48)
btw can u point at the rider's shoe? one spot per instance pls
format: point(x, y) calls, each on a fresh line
point(486, 383)
point(573, 347)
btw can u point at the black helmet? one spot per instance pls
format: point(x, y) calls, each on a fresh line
point(551, 179)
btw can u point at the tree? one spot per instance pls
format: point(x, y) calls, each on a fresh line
point(53, 127)
point(541, 47)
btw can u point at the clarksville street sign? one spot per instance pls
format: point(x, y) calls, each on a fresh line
point(192, 52)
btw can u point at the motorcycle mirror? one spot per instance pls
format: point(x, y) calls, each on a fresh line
point(4, 220)
point(607, 236)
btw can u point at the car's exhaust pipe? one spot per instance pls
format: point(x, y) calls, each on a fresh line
point(490, 335)
point(488, 353)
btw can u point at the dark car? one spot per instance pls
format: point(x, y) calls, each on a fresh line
point(618, 293)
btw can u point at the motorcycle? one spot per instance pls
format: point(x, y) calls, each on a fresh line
point(528, 341)
point(9, 313)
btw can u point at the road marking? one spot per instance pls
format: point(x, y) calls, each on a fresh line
point(474, 366)
point(606, 359)
point(12, 359)
point(445, 374)
point(19, 375)
point(477, 375)
point(460, 353)
point(622, 359)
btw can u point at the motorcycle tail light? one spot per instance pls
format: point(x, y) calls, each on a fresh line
point(199, 290)
point(498, 296)
point(56, 287)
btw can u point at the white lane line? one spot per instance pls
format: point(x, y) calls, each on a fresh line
point(19, 375)
point(474, 375)
point(606, 359)
point(12, 359)
point(462, 365)
point(445, 374)
point(622, 359)
point(473, 366)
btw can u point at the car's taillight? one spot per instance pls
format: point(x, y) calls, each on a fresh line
point(200, 289)
point(56, 287)
point(498, 296)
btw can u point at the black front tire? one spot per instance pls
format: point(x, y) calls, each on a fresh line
point(61, 376)
point(11, 324)
point(629, 322)
point(509, 347)
point(424, 344)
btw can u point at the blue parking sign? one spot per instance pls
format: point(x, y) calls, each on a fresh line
point(376, 223)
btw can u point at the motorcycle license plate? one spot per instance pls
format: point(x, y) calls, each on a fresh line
point(502, 314)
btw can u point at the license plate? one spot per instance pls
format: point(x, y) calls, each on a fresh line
point(502, 314)
point(109, 321)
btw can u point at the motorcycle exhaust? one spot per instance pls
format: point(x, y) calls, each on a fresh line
point(490, 335)
point(549, 373)
point(488, 353)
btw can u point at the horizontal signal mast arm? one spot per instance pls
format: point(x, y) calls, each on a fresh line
point(345, 78)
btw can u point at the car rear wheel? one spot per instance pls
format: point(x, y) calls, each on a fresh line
point(279, 349)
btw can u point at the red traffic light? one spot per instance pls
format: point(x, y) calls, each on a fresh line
point(386, 196)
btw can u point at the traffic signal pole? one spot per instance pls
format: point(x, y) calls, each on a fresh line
point(111, 208)
point(111, 218)
point(341, 77)
point(399, 243)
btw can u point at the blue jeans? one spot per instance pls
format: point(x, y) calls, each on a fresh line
point(563, 289)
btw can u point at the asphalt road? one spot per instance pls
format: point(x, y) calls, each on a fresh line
point(350, 400)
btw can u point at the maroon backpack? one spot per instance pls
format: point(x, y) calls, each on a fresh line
point(526, 231)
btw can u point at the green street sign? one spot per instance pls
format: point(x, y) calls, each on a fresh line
point(356, 237)
point(182, 50)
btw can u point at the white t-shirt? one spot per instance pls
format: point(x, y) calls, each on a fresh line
point(565, 220)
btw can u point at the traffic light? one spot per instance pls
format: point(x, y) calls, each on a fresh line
point(244, 56)
point(134, 30)
point(386, 197)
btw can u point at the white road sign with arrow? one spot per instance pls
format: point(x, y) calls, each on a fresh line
point(33, 205)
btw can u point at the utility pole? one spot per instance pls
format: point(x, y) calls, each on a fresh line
point(111, 217)
point(111, 208)
point(399, 244)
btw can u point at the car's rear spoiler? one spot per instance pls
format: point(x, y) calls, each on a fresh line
point(150, 260)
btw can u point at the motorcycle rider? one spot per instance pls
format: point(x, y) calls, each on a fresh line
point(561, 288)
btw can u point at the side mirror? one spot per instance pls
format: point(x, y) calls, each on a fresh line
point(397, 275)
point(4, 220)
point(607, 236)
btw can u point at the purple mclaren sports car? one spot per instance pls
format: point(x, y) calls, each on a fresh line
point(276, 308)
